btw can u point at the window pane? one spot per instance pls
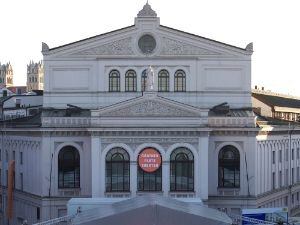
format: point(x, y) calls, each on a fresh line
point(68, 168)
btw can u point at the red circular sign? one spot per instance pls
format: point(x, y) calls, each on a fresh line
point(149, 160)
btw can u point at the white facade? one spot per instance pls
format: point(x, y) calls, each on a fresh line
point(82, 110)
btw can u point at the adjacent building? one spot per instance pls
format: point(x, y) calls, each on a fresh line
point(148, 109)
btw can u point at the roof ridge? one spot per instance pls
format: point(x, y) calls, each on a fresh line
point(271, 93)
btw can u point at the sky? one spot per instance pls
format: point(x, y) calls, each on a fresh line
point(272, 26)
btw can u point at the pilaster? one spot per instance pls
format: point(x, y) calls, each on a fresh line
point(201, 173)
point(97, 189)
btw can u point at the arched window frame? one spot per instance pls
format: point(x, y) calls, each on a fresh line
point(144, 80)
point(148, 182)
point(130, 81)
point(182, 170)
point(179, 81)
point(229, 167)
point(114, 81)
point(163, 81)
point(117, 168)
point(68, 169)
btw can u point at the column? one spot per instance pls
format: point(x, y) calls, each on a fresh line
point(202, 170)
point(97, 190)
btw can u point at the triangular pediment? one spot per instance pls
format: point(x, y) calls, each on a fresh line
point(124, 43)
point(149, 106)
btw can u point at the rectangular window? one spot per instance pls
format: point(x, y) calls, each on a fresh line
point(286, 154)
point(273, 181)
point(280, 179)
point(292, 178)
point(298, 153)
point(6, 177)
point(21, 158)
point(286, 199)
point(6, 155)
point(0, 155)
point(14, 155)
point(21, 181)
point(1, 206)
point(280, 156)
point(298, 174)
point(273, 157)
point(292, 154)
point(38, 213)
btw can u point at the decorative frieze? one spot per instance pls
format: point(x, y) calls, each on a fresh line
point(149, 140)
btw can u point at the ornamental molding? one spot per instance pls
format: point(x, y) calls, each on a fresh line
point(119, 47)
point(150, 108)
point(130, 141)
point(174, 47)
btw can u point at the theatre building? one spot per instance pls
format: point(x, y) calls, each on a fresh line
point(145, 111)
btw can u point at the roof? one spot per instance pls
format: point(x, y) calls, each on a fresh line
point(90, 38)
point(161, 26)
point(277, 100)
point(208, 39)
point(152, 209)
point(23, 122)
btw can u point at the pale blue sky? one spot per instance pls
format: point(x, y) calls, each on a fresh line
point(272, 25)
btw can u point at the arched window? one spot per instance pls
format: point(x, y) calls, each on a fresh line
point(117, 171)
point(150, 181)
point(144, 80)
point(114, 81)
point(180, 81)
point(163, 80)
point(68, 168)
point(182, 170)
point(229, 167)
point(130, 80)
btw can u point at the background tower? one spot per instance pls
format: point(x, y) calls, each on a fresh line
point(6, 75)
point(35, 76)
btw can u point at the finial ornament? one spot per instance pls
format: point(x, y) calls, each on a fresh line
point(45, 48)
point(147, 11)
point(249, 47)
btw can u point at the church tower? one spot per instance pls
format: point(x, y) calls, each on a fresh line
point(6, 75)
point(35, 76)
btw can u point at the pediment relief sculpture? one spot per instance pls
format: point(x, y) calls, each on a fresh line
point(119, 47)
point(174, 47)
point(150, 108)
